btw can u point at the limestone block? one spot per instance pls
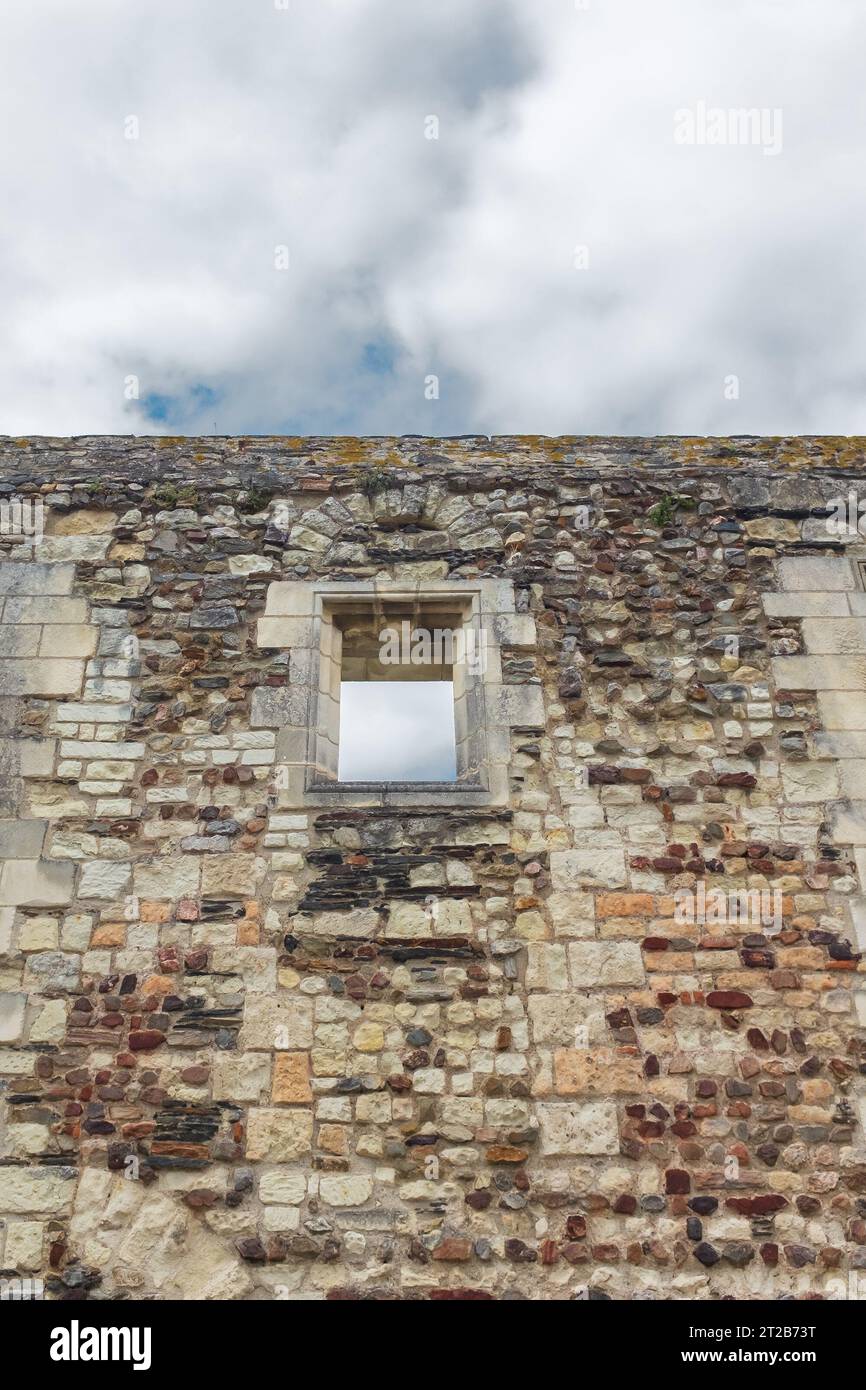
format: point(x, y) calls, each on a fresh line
point(256, 965)
point(36, 578)
point(21, 839)
point(18, 641)
point(86, 521)
point(24, 1241)
point(41, 676)
point(605, 963)
point(172, 877)
point(571, 914)
point(250, 564)
point(842, 709)
point(345, 1189)
point(358, 921)
point(35, 756)
point(810, 781)
point(598, 864)
point(815, 573)
point(232, 876)
point(515, 705)
point(39, 934)
point(273, 706)
point(291, 1084)
point(304, 538)
point(804, 605)
point(579, 1129)
point(49, 1025)
point(515, 630)
point(35, 1192)
point(566, 1019)
point(7, 921)
point(104, 879)
point(82, 713)
point(110, 770)
point(44, 610)
point(35, 883)
point(848, 822)
point(154, 1238)
point(834, 636)
point(852, 775)
point(842, 744)
point(278, 1136)
point(280, 1022)
point(89, 548)
point(245, 1078)
point(57, 970)
point(284, 632)
point(452, 917)
point(546, 967)
point(289, 599)
point(93, 748)
point(819, 672)
point(12, 1008)
point(15, 1063)
point(68, 640)
point(601, 1072)
point(282, 1187)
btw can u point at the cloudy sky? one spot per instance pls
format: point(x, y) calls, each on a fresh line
point(233, 209)
point(397, 731)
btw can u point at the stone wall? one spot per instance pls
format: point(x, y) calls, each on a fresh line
point(240, 1056)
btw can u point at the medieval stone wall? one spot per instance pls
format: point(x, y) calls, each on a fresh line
point(241, 1057)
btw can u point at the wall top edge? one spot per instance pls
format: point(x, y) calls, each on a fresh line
point(143, 458)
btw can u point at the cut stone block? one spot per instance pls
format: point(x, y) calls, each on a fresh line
point(834, 636)
point(516, 705)
point(68, 640)
point(579, 1129)
point(600, 864)
point(279, 1136)
point(41, 676)
point(94, 714)
point(291, 1079)
point(819, 672)
point(843, 709)
point(74, 548)
point(276, 1023)
point(37, 579)
point(232, 875)
point(45, 610)
point(273, 706)
point(104, 879)
point(815, 573)
point(241, 1078)
point(810, 781)
point(803, 605)
point(35, 883)
point(18, 640)
point(282, 1187)
point(848, 822)
point(578, 1072)
point(286, 599)
point(605, 963)
point(21, 839)
point(284, 632)
point(35, 1191)
point(12, 1008)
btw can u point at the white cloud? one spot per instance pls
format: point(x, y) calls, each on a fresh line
point(261, 127)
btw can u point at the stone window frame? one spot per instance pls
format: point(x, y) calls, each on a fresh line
point(299, 618)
